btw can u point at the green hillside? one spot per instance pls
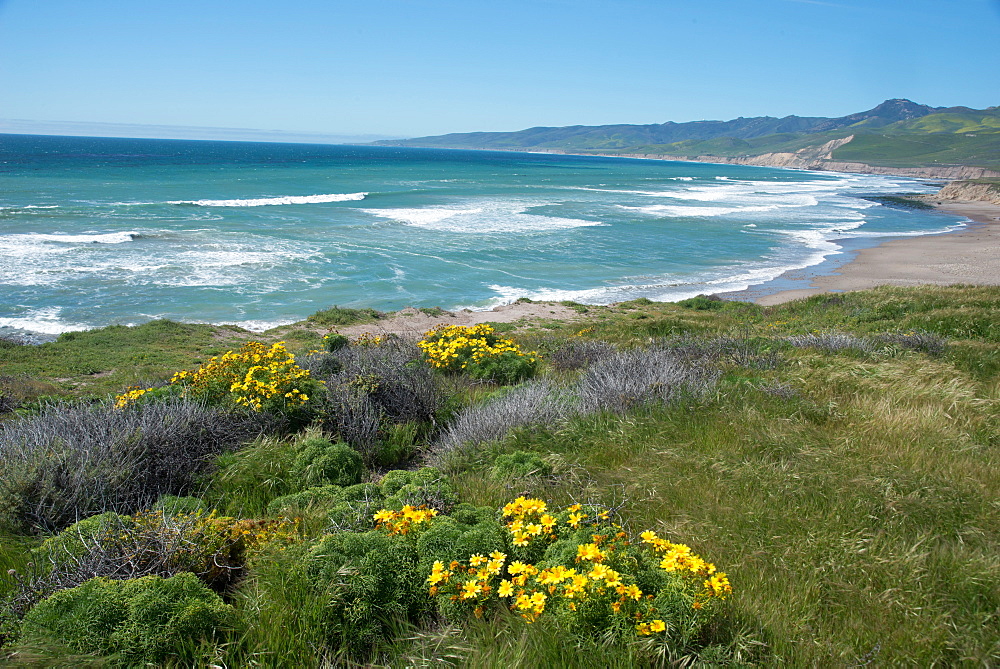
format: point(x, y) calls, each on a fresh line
point(962, 138)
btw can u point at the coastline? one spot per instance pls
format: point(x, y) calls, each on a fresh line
point(967, 256)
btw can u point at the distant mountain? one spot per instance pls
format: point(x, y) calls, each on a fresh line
point(896, 133)
point(621, 136)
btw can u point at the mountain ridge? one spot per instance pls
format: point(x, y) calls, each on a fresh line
point(896, 134)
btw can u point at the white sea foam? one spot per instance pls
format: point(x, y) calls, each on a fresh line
point(917, 233)
point(666, 210)
point(96, 238)
point(267, 201)
point(29, 206)
point(258, 325)
point(44, 320)
point(482, 217)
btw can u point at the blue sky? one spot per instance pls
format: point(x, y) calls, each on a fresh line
point(418, 67)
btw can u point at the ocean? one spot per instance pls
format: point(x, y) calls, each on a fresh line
point(99, 231)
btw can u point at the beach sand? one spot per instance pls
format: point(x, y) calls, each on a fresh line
point(412, 323)
point(969, 256)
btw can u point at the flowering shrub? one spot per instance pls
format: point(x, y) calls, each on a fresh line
point(572, 566)
point(477, 351)
point(369, 339)
point(585, 572)
point(258, 377)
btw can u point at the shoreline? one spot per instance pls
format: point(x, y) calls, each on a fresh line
point(967, 256)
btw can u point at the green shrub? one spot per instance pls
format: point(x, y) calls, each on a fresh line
point(518, 465)
point(358, 506)
point(296, 503)
point(507, 368)
point(334, 342)
point(393, 481)
point(75, 539)
point(321, 462)
point(373, 583)
point(139, 621)
point(421, 487)
point(703, 303)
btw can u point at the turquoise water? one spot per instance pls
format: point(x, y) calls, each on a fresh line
point(101, 231)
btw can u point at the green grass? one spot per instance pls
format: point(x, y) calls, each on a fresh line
point(852, 497)
point(861, 512)
point(343, 316)
point(101, 361)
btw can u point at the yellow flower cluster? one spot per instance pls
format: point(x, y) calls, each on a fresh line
point(565, 586)
point(602, 573)
point(471, 583)
point(126, 398)
point(529, 519)
point(457, 347)
point(368, 339)
point(257, 376)
point(678, 558)
point(402, 522)
point(254, 374)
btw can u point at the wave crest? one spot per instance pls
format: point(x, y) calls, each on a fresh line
point(269, 201)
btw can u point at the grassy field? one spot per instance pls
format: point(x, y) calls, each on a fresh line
point(842, 469)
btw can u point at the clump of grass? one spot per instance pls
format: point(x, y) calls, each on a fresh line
point(638, 377)
point(344, 316)
point(537, 402)
point(703, 303)
point(22, 390)
point(617, 383)
point(576, 354)
point(832, 342)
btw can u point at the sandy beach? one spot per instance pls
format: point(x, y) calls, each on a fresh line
point(970, 256)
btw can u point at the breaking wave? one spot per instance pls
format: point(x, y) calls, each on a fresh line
point(270, 201)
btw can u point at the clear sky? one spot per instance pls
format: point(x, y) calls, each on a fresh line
point(419, 67)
